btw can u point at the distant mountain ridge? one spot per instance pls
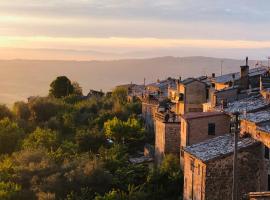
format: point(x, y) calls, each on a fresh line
point(23, 78)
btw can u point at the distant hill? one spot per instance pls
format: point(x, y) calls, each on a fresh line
point(23, 78)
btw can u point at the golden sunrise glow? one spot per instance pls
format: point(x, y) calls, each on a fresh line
point(85, 43)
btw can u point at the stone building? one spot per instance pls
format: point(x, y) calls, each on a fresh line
point(160, 88)
point(167, 137)
point(197, 127)
point(189, 95)
point(150, 105)
point(245, 79)
point(254, 102)
point(208, 170)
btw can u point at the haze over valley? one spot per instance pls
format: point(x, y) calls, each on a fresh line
point(23, 78)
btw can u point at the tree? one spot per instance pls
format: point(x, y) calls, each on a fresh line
point(89, 140)
point(61, 87)
point(120, 94)
point(5, 112)
point(21, 110)
point(77, 88)
point(42, 109)
point(42, 138)
point(166, 182)
point(9, 191)
point(121, 131)
point(10, 134)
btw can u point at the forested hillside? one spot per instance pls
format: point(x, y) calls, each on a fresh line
point(71, 147)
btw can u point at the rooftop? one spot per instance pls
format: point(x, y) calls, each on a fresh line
point(257, 117)
point(229, 77)
point(264, 127)
point(163, 83)
point(218, 147)
point(248, 104)
point(195, 115)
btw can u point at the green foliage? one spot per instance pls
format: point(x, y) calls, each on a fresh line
point(42, 138)
point(9, 191)
point(89, 141)
point(5, 112)
point(67, 150)
point(42, 109)
point(120, 95)
point(133, 193)
point(77, 89)
point(67, 147)
point(21, 110)
point(61, 87)
point(10, 135)
point(166, 182)
point(114, 157)
point(121, 131)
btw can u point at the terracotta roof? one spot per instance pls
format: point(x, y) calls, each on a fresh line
point(218, 147)
point(195, 115)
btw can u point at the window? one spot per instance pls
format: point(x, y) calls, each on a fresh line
point(211, 129)
point(181, 97)
point(266, 153)
point(199, 169)
point(268, 182)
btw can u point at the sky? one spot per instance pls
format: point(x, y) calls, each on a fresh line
point(100, 29)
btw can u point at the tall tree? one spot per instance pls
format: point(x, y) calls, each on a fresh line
point(61, 87)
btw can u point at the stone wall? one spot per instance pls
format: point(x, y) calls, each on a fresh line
point(196, 130)
point(194, 178)
point(167, 139)
point(148, 114)
point(251, 174)
point(194, 95)
point(250, 128)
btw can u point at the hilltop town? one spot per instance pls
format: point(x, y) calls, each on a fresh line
point(200, 119)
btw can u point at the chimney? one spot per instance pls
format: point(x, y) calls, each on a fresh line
point(244, 82)
point(213, 75)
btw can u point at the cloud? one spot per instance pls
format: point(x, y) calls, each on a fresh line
point(164, 20)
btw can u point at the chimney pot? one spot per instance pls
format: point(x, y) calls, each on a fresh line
point(213, 75)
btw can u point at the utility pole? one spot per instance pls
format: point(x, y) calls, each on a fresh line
point(221, 67)
point(235, 171)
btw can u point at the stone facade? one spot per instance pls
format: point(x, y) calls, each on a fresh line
point(195, 127)
point(189, 96)
point(149, 108)
point(212, 179)
point(167, 139)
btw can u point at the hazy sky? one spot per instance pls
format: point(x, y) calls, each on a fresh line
point(226, 28)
